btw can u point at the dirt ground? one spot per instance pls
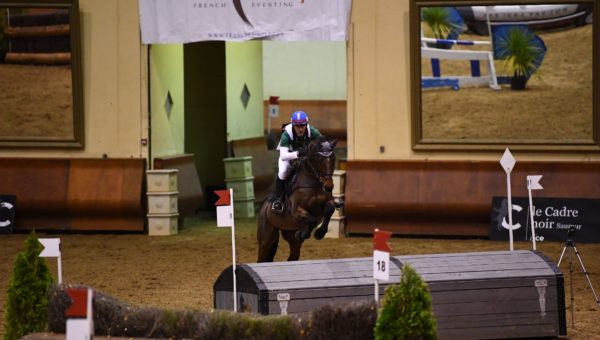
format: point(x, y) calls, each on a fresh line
point(179, 271)
point(556, 106)
point(36, 101)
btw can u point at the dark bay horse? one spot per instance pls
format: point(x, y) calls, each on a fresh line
point(309, 203)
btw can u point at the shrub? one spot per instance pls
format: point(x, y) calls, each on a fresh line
point(118, 319)
point(406, 311)
point(342, 321)
point(27, 302)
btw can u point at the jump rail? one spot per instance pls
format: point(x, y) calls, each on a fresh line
point(435, 54)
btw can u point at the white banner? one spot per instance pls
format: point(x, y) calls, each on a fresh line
point(183, 21)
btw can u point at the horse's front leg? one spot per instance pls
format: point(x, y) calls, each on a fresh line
point(327, 212)
point(309, 223)
point(305, 220)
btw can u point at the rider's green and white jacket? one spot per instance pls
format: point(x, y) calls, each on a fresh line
point(295, 142)
point(289, 145)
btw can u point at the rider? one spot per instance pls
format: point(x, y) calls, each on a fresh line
point(294, 139)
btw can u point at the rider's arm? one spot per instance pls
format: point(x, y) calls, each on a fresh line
point(286, 155)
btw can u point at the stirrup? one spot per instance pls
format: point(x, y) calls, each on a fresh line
point(277, 206)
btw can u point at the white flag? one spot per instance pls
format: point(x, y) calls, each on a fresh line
point(507, 161)
point(51, 247)
point(533, 182)
point(224, 216)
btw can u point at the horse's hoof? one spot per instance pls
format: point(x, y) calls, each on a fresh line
point(320, 233)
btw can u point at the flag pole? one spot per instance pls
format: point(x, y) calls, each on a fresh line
point(510, 220)
point(233, 251)
point(531, 213)
point(377, 293)
point(59, 270)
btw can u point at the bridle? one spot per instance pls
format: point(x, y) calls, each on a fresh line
point(323, 178)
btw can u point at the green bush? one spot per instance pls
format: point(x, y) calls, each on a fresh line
point(27, 302)
point(342, 321)
point(406, 311)
point(119, 319)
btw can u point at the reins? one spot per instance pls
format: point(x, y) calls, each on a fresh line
point(315, 172)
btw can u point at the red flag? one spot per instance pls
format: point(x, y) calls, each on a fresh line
point(274, 100)
point(224, 198)
point(78, 308)
point(380, 239)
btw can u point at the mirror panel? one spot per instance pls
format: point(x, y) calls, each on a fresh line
point(457, 103)
point(40, 69)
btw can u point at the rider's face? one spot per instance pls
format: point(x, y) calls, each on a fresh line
point(299, 129)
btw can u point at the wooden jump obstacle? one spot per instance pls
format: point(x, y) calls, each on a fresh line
point(481, 295)
point(38, 36)
point(474, 57)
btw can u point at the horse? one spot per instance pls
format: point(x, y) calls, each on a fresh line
point(309, 202)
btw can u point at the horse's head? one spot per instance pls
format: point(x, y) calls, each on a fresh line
point(322, 160)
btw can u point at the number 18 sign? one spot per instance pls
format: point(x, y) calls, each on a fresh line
point(381, 265)
point(381, 255)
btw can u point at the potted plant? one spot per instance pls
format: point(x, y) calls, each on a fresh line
point(442, 23)
point(521, 50)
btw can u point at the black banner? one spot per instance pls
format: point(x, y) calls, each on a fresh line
point(7, 213)
point(552, 219)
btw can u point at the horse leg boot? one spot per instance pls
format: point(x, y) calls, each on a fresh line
point(329, 209)
point(277, 205)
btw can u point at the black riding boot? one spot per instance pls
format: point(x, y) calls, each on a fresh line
point(277, 205)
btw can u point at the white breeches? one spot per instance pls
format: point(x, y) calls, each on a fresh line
point(283, 169)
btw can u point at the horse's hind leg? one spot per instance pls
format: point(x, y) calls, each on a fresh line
point(329, 210)
point(267, 245)
point(295, 244)
point(273, 250)
point(268, 238)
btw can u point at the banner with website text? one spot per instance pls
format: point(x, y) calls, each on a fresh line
point(184, 21)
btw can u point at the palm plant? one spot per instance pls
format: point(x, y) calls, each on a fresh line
point(442, 23)
point(521, 50)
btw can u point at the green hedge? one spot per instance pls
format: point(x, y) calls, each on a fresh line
point(115, 318)
point(406, 311)
point(27, 302)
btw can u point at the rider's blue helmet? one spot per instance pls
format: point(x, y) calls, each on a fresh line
point(299, 118)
